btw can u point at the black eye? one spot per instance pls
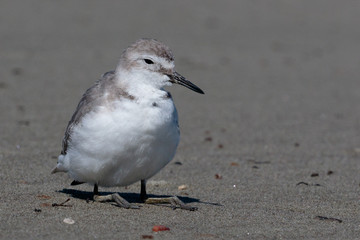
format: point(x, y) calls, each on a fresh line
point(148, 61)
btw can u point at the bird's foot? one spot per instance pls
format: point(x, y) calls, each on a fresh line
point(115, 197)
point(174, 201)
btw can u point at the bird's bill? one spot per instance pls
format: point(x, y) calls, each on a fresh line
point(177, 78)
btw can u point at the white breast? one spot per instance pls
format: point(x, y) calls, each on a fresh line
point(123, 142)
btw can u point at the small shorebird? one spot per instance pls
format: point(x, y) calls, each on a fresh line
point(125, 127)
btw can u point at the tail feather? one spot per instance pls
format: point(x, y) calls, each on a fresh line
point(60, 165)
point(74, 183)
point(56, 169)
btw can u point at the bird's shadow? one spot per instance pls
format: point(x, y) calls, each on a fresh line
point(130, 197)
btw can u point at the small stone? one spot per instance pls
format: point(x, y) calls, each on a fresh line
point(69, 221)
point(218, 176)
point(183, 187)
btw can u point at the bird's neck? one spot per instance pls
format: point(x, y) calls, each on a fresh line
point(138, 84)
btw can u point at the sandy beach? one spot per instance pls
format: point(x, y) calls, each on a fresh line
point(271, 151)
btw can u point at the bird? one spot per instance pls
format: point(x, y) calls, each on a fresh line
point(125, 128)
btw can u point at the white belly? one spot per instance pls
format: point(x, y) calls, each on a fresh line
point(123, 143)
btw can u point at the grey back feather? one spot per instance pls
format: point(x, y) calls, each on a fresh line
point(91, 98)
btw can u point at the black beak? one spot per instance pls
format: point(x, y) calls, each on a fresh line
point(177, 78)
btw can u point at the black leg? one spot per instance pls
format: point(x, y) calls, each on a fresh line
point(143, 195)
point(96, 191)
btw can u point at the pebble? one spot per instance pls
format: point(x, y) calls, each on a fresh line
point(69, 221)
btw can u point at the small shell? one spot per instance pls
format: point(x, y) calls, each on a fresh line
point(69, 221)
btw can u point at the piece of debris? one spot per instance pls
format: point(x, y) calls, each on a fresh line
point(37, 210)
point(178, 163)
point(147, 237)
point(159, 228)
point(43, 196)
point(45, 204)
point(218, 176)
point(220, 146)
point(305, 183)
point(314, 175)
point(208, 139)
point(183, 187)
point(234, 164)
point(62, 204)
point(328, 219)
point(308, 184)
point(330, 172)
point(68, 221)
point(296, 144)
point(255, 167)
